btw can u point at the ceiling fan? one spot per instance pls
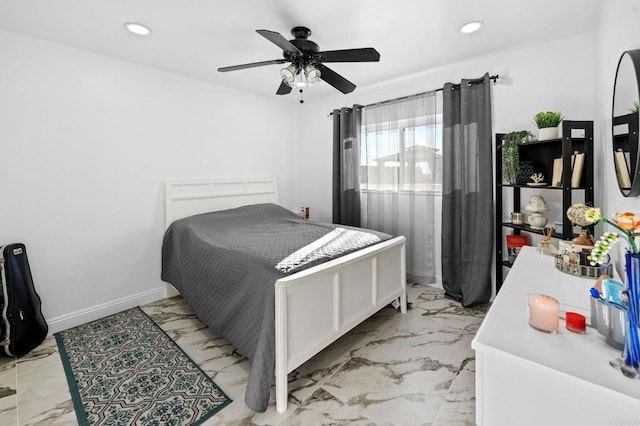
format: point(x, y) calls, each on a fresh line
point(307, 61)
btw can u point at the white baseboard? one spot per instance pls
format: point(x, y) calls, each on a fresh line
point(102, 310)
point(170, 291)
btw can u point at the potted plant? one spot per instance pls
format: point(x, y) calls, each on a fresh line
point(511, 155)
point(547, 123)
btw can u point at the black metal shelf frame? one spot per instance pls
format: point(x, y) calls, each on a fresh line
point(542, 154)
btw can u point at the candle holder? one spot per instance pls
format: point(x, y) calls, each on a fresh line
point(517, 218)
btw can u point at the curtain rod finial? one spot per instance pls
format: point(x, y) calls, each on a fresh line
point(504, 78)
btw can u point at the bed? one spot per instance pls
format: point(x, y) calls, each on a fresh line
point(311, 308)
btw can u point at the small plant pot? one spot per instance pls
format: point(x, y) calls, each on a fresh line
point(548, 133)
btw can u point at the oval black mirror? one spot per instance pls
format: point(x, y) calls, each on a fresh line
point(625, 123)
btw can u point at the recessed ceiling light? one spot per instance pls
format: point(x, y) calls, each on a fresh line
point(471, 27)
point(138, 29)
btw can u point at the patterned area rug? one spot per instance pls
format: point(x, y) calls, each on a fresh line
point(124, 369)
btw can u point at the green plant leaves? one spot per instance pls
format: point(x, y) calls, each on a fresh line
point(548, 119)
point(511, 155)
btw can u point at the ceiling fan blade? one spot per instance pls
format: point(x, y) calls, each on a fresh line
point(280, 41)
point(284, 89)
point(366, 54)
point(252, 65)
point(335, 79)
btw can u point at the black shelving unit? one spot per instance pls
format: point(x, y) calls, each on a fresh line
point(542, 154)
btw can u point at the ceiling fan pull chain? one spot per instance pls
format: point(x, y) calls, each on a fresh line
point(301, 100)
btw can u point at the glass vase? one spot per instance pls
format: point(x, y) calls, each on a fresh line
point(629, 363)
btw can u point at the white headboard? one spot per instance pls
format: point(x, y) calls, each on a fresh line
point(188, 197)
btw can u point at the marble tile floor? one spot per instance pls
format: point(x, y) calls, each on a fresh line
point(393, 369)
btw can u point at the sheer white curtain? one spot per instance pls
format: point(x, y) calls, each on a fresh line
point(401, 177)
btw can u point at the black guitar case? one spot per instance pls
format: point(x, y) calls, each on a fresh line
point(22, 326)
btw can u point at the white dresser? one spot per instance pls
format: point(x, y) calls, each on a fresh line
point(527, 377)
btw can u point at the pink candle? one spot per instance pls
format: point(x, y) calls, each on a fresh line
point(544, 312)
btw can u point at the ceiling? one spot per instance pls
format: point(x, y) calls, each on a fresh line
point(195, 37)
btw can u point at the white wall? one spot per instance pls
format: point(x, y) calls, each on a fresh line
point(87, 142)
point(552, 76)
point(618, 30)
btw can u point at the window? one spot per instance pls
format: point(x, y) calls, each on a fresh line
point(404, 157)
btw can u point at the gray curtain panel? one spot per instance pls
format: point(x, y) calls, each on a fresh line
point(346, 164)
point(467, 186)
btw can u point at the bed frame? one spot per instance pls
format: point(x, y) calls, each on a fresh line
point(318, 305)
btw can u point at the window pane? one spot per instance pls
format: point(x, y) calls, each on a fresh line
point(422, 162)
point(380, 160)
point(401, 146)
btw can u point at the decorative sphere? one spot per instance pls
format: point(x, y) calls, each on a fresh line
point(577, 214)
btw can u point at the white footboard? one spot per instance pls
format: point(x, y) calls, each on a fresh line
point(317, 306)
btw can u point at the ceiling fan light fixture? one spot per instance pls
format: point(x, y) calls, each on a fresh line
point(137, 29)
point(471, 27)
point(300, 81)
point(312, 74)
point(288, 74)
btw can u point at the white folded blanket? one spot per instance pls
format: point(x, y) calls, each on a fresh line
point(333, 244)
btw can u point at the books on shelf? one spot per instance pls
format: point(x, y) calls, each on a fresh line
point(556, 180)
point(577, 164)
point(622, 168)
point(514, 244)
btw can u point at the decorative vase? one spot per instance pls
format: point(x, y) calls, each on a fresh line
point(629, 363)
point(546, 133)
point(536, 206)
point(537, 220)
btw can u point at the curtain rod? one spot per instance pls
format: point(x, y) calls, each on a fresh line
point(493, 78)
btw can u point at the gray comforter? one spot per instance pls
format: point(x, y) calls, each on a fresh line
point(225, 264)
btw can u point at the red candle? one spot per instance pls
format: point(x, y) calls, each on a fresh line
point(576, 322)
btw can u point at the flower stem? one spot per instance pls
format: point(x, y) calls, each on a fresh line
point(630, 236)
